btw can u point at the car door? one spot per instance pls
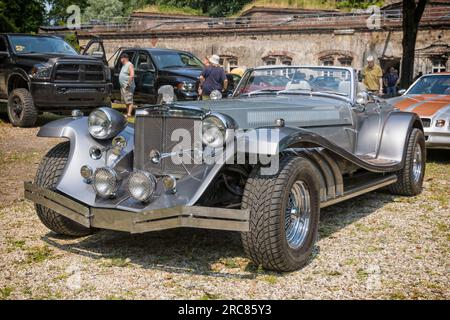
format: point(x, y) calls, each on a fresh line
point(145, 76)
point(4, 63)
point(116, 72)
point(95, 49)
point(371, 118)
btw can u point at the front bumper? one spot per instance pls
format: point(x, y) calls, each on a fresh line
point(437, 140)
point(57, 96)
point(154, 220)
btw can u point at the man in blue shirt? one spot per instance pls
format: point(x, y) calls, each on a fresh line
point(390, 82)
point(213, 78)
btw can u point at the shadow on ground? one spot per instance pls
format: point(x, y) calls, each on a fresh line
point(196, 251)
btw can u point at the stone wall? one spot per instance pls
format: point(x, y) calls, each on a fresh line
point(303, 47)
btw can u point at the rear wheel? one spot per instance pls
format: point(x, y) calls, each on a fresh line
point(21, 109)
point(410, 178)
point(284, 215)
point(48, 175)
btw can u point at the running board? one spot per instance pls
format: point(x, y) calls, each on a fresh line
point(359, 189)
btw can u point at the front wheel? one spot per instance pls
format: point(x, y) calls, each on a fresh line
point(410, 178)
point(47, 176)
point(21, 109)
point(284, 215)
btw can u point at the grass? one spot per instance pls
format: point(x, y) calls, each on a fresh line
point(38, 254)
point(296, 4)
point(5, 293)
point(209, 296)
point(168, 9)
point(116, 262)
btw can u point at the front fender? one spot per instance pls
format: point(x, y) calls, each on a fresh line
point(395, 134)
point(76, 131)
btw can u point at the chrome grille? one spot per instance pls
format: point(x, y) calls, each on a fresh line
point(155, 133)
point(81, 72)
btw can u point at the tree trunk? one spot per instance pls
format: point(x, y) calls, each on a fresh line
point(412, 13)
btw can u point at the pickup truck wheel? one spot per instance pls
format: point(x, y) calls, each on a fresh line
point(410, 178)
point(48, 174)
point(284, 215)
point(21, 109)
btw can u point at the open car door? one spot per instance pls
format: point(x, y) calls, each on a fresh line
point(95, 49)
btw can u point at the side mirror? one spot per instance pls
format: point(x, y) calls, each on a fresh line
point(401, 91)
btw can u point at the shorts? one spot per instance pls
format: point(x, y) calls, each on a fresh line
point(127, 94)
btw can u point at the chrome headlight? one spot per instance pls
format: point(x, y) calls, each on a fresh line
point(106, 182)
point(105, 123)
point(214, 130)
point(187, 86)
point(41, 71)
point(141, 186)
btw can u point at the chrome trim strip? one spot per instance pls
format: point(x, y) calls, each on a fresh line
point(357, 191)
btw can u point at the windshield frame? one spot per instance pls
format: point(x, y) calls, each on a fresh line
point(163, 53)
point(353, 78)
point(11, 43)
point(422, 78)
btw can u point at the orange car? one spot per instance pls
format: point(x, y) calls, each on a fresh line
point(429, 97)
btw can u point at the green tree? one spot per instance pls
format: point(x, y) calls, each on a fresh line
point(104, 10)
point(57, 14)
point(21, 15)
point(6, 25)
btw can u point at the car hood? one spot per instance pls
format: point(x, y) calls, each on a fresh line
point(192, 73)
point(297, 111)
point(425, 105)
point(33, 58)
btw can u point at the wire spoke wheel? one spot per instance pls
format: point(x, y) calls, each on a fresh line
point(417, 163)
point(298, 214)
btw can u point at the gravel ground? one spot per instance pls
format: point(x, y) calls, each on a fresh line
point(377, 246)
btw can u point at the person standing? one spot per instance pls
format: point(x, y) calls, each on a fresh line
point(213, 78)
point(373, 77)
point(391, 81)
point(127, 85)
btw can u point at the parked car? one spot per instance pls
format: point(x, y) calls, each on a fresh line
point(155, 68)
point(44, 73)
point(429, 97)
point(262, 163)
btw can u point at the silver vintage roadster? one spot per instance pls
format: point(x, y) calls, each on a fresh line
point(291, 140)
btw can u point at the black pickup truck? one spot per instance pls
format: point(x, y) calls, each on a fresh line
point(156, 67)
point(44, 73)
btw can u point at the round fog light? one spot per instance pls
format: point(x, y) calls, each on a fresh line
point(170, 183)
point(141, 186)
point(106, 182)
point(86, 172)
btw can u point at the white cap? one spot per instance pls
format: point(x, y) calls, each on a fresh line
point(370, 59)
point(214, 59)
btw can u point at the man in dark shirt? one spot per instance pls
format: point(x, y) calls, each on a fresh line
point(390, 82)
point(213, 78)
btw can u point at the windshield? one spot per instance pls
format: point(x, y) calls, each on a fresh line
point(29, 44)
point(288, 80)
point(167, 59)
point(432, 85)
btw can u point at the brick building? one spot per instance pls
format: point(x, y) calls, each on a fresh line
point(265, 36)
